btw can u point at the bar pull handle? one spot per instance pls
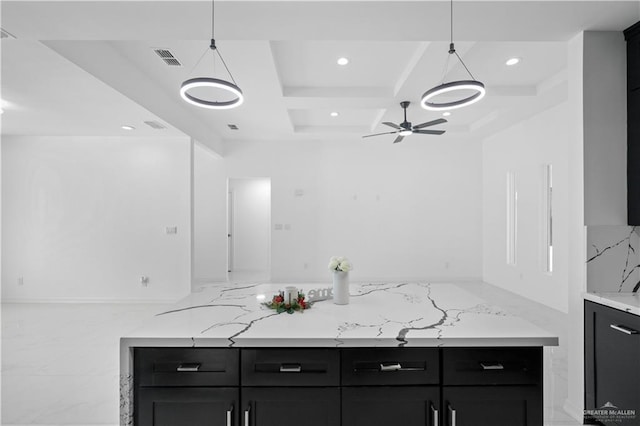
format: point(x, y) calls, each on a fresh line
point(391, 367)
point(452, 416)
point(434, 416)
point(246, 415)
point(623, 329)
point(192, 366)
point(492, 366)
point(290, 368)
point(229, 413)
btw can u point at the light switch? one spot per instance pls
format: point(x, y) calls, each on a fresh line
point(287, 226)
point(298, 193)
point(171, 229)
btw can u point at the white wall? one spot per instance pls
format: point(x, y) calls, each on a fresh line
point(209, 216)
point(404, 211)
point(85, 217)
point(577, 238)
point(524, 149)
point(251, 224)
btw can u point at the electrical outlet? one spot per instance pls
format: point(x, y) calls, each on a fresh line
point(171, 230)
point(144, 280)
point(287, 227)
point(20, 281)
point(278, 227)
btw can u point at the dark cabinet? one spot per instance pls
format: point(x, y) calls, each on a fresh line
point(612, 365)
point(384, 406)
point(492, 386)
point(291, 406)
point(632, 36)
point(338, 386)
point(492, 405)
point(188, 407)
point(186, 386)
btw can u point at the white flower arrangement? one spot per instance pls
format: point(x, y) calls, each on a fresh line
point(340, 264)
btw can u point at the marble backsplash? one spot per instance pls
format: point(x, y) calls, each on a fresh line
point(613, 259)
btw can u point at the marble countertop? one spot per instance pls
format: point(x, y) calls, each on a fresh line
point(628, 302)
point(383, 314)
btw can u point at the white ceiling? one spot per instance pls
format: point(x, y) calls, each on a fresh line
point(86, 68)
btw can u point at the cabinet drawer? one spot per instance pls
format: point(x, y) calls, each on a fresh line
point(187, 407)
point(390, 366)
point(290, 367)
point(492, 366)
point(186, 366)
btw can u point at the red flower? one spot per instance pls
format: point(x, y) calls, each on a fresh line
point(278, 299)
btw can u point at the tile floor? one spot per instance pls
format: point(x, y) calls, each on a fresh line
point(60, 361)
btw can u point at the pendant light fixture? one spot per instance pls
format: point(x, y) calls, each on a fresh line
point(215, 83)
point(474, 85)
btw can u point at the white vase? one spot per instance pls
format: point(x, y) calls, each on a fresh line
point(340, 287)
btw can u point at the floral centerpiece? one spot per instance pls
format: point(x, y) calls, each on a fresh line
point(340, 264)
point(278, 303)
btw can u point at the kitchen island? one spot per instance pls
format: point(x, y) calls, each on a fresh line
point(392, 340)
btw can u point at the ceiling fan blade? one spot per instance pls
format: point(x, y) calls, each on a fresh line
point(398, 139)
point(378, 134)
point(395, 126)
point(429, 132)
point(430, 123)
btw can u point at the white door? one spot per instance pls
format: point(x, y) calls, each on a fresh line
point(249, 231)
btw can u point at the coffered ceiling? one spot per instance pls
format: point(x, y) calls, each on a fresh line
point(86, 68)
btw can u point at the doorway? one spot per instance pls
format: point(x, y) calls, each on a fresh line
point(249, 229)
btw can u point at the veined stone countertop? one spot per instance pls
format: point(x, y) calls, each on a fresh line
point(384, 314)
point(628, 302)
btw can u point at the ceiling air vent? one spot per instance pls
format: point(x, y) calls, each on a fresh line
point(168, 57)
point(5, 34)
point(232, 126)
point(155, 125)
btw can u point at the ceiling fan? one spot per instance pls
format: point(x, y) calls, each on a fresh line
point(405, 129)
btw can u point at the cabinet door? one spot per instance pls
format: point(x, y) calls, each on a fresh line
point(613, 361)
point(492, 406)
point(385, 406)
point(279, 406)
point(187, 407)
point(633, 157)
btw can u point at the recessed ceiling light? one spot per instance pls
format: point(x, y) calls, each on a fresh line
point(512, 61)
point(334, 114)
point(343, 61)
point(446, 114)
point(128, 128)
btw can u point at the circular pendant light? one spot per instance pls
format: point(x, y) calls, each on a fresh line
point(211, 82)
point(428, 100)
point(215, 84)
point(453, 86)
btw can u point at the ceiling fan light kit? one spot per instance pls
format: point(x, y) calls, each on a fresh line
point(428, 98)
point(211, 82)
point(406, 129)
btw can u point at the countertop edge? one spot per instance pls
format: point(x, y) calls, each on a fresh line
point(606, 300)
point(342, 343)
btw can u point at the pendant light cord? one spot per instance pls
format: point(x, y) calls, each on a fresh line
point(213, 43)
point(452, 48)
point(451, 17)
point(213, 19)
